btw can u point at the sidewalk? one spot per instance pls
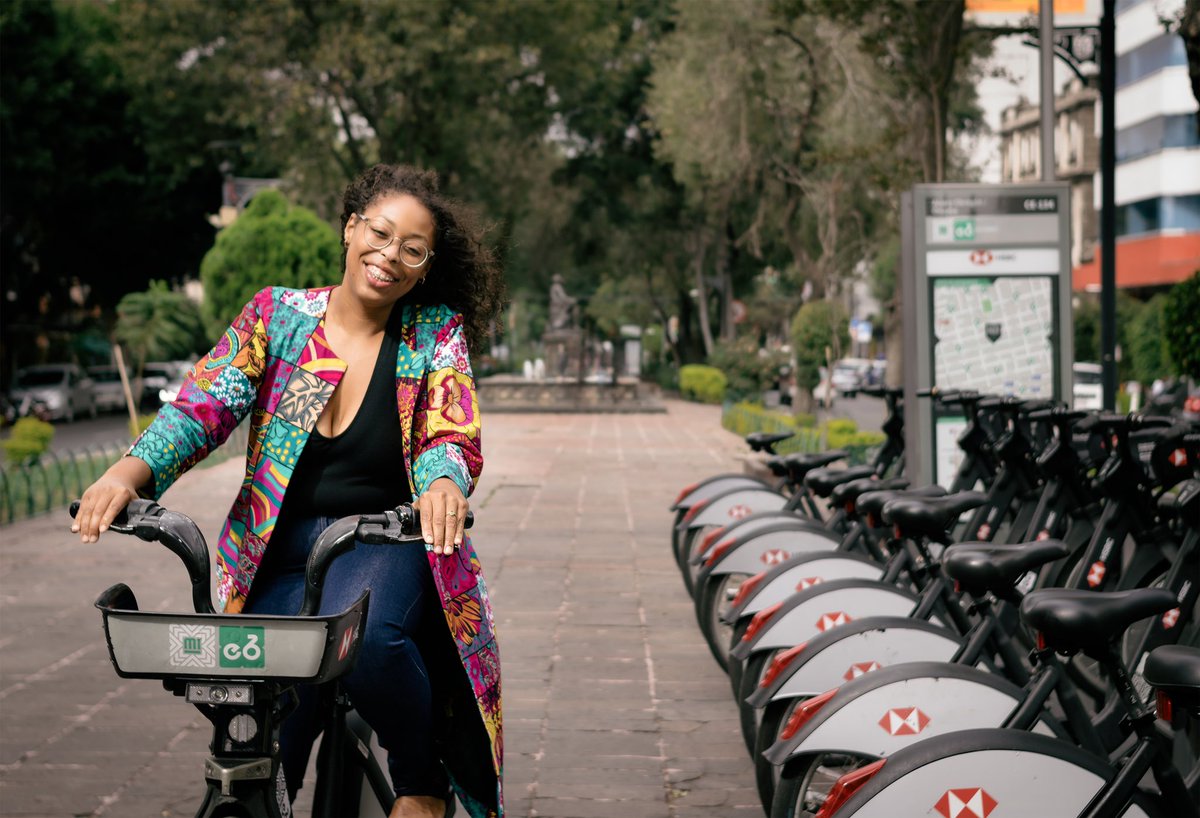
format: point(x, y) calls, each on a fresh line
point(613, 706)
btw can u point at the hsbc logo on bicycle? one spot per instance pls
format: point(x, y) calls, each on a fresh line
point(774, 556)
point(832, 620)
point(904, 721)
point(212, 646)
point(970, 802)
point(739, 511)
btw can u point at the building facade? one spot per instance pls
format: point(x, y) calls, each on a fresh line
point(1158, 155)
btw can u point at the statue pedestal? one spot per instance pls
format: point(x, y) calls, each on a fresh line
point(563, 349)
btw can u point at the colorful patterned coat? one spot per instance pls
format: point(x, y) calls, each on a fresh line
point(274, 364)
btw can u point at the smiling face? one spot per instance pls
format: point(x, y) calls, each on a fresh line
point(379, 277)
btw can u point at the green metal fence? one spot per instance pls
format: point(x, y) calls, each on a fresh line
point(56, 479)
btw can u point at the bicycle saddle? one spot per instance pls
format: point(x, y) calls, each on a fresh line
point(763, 441)
point(1183, 506)
point(983, 567)
point(1072, 619)
point(930, 516)
point(822, 482)
point(801, 464)
point(849, 492)
point(1175, 669)
point(872, 502)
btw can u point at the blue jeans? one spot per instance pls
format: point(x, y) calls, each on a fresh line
point(389, 684)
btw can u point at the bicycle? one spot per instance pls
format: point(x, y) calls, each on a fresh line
point(238, 669)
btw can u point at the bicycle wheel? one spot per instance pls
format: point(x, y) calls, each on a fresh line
point(766, 774)
point(712, 600)
point(691, 541)
point(805, 782)
point(753, 672)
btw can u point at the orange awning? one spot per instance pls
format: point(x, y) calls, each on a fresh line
point(1145, 261)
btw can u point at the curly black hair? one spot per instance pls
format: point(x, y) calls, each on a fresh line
point(465, 274)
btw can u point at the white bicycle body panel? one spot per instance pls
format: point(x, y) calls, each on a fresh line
point(735, 505)
point(718, 485)
point(861, 653)
point(764, 552)
point(1016, 783)
point(880, 721)
point(823, 611)
point(814, 570)
point(756, 522)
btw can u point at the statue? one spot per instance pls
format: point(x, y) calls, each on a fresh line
point(562, 306)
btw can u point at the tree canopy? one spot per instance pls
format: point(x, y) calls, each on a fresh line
point(666, 158)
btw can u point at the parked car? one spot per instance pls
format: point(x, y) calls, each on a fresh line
point(161, 378)
point(64, 389)
point(1087, 391)
point(107, 390)
point(850, 375)
point(170, 390)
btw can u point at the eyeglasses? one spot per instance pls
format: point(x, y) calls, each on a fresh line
point(413, 253)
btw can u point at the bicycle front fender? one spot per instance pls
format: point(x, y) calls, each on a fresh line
point(1010, 772)
point(879, 713)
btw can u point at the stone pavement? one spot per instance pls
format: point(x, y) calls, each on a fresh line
point(613, 706)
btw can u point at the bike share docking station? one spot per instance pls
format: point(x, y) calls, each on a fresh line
point(986, 283)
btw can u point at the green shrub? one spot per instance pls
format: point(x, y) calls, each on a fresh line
point(804, 420)
point(272, 243)
point(1179, 313)
point(702, 383)
point(30, 439)
point(749, 368)
point(744, 418)
point(817, 325)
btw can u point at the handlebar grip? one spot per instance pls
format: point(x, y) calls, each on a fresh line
point(136, 508)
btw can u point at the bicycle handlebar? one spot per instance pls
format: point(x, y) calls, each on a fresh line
point(149, 521)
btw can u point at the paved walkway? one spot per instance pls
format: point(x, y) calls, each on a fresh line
point(613, 705)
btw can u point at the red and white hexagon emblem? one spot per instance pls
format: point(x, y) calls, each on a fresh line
point(1170, 618)
point(832, 620)
point(1178, 458)
point(982, 257)
point(984, 531)
point(808, 582)
point(774, 556)
point(971, 802)
point(904, 721)
point(859, 668)
point(1096, 574)
point(739, 511)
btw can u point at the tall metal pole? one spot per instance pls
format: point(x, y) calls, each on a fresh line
point(1108, 204)
point(1046, 81)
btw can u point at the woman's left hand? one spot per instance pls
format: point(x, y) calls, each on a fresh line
point(443, 515)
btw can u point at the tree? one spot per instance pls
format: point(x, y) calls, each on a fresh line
point(820, 332)
point(1180, 311)
point(1189, 30)
point(83, 214)
point(272, 243)
point(161, 324)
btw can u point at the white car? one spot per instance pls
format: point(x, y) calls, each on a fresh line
point(107, 391)
point(1087, 391)
point(849, 375)
point(64, 389)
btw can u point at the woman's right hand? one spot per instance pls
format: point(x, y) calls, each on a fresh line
point(108, 496)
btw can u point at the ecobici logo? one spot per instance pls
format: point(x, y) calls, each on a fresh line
point(207, 646)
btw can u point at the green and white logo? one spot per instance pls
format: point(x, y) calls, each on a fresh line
point(242, 647)
point(964, 229)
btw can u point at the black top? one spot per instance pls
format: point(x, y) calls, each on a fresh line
point(360, 471)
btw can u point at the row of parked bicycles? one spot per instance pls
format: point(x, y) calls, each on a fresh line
point(1023, 642)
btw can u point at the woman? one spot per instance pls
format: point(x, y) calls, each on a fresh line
point(345, 386)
